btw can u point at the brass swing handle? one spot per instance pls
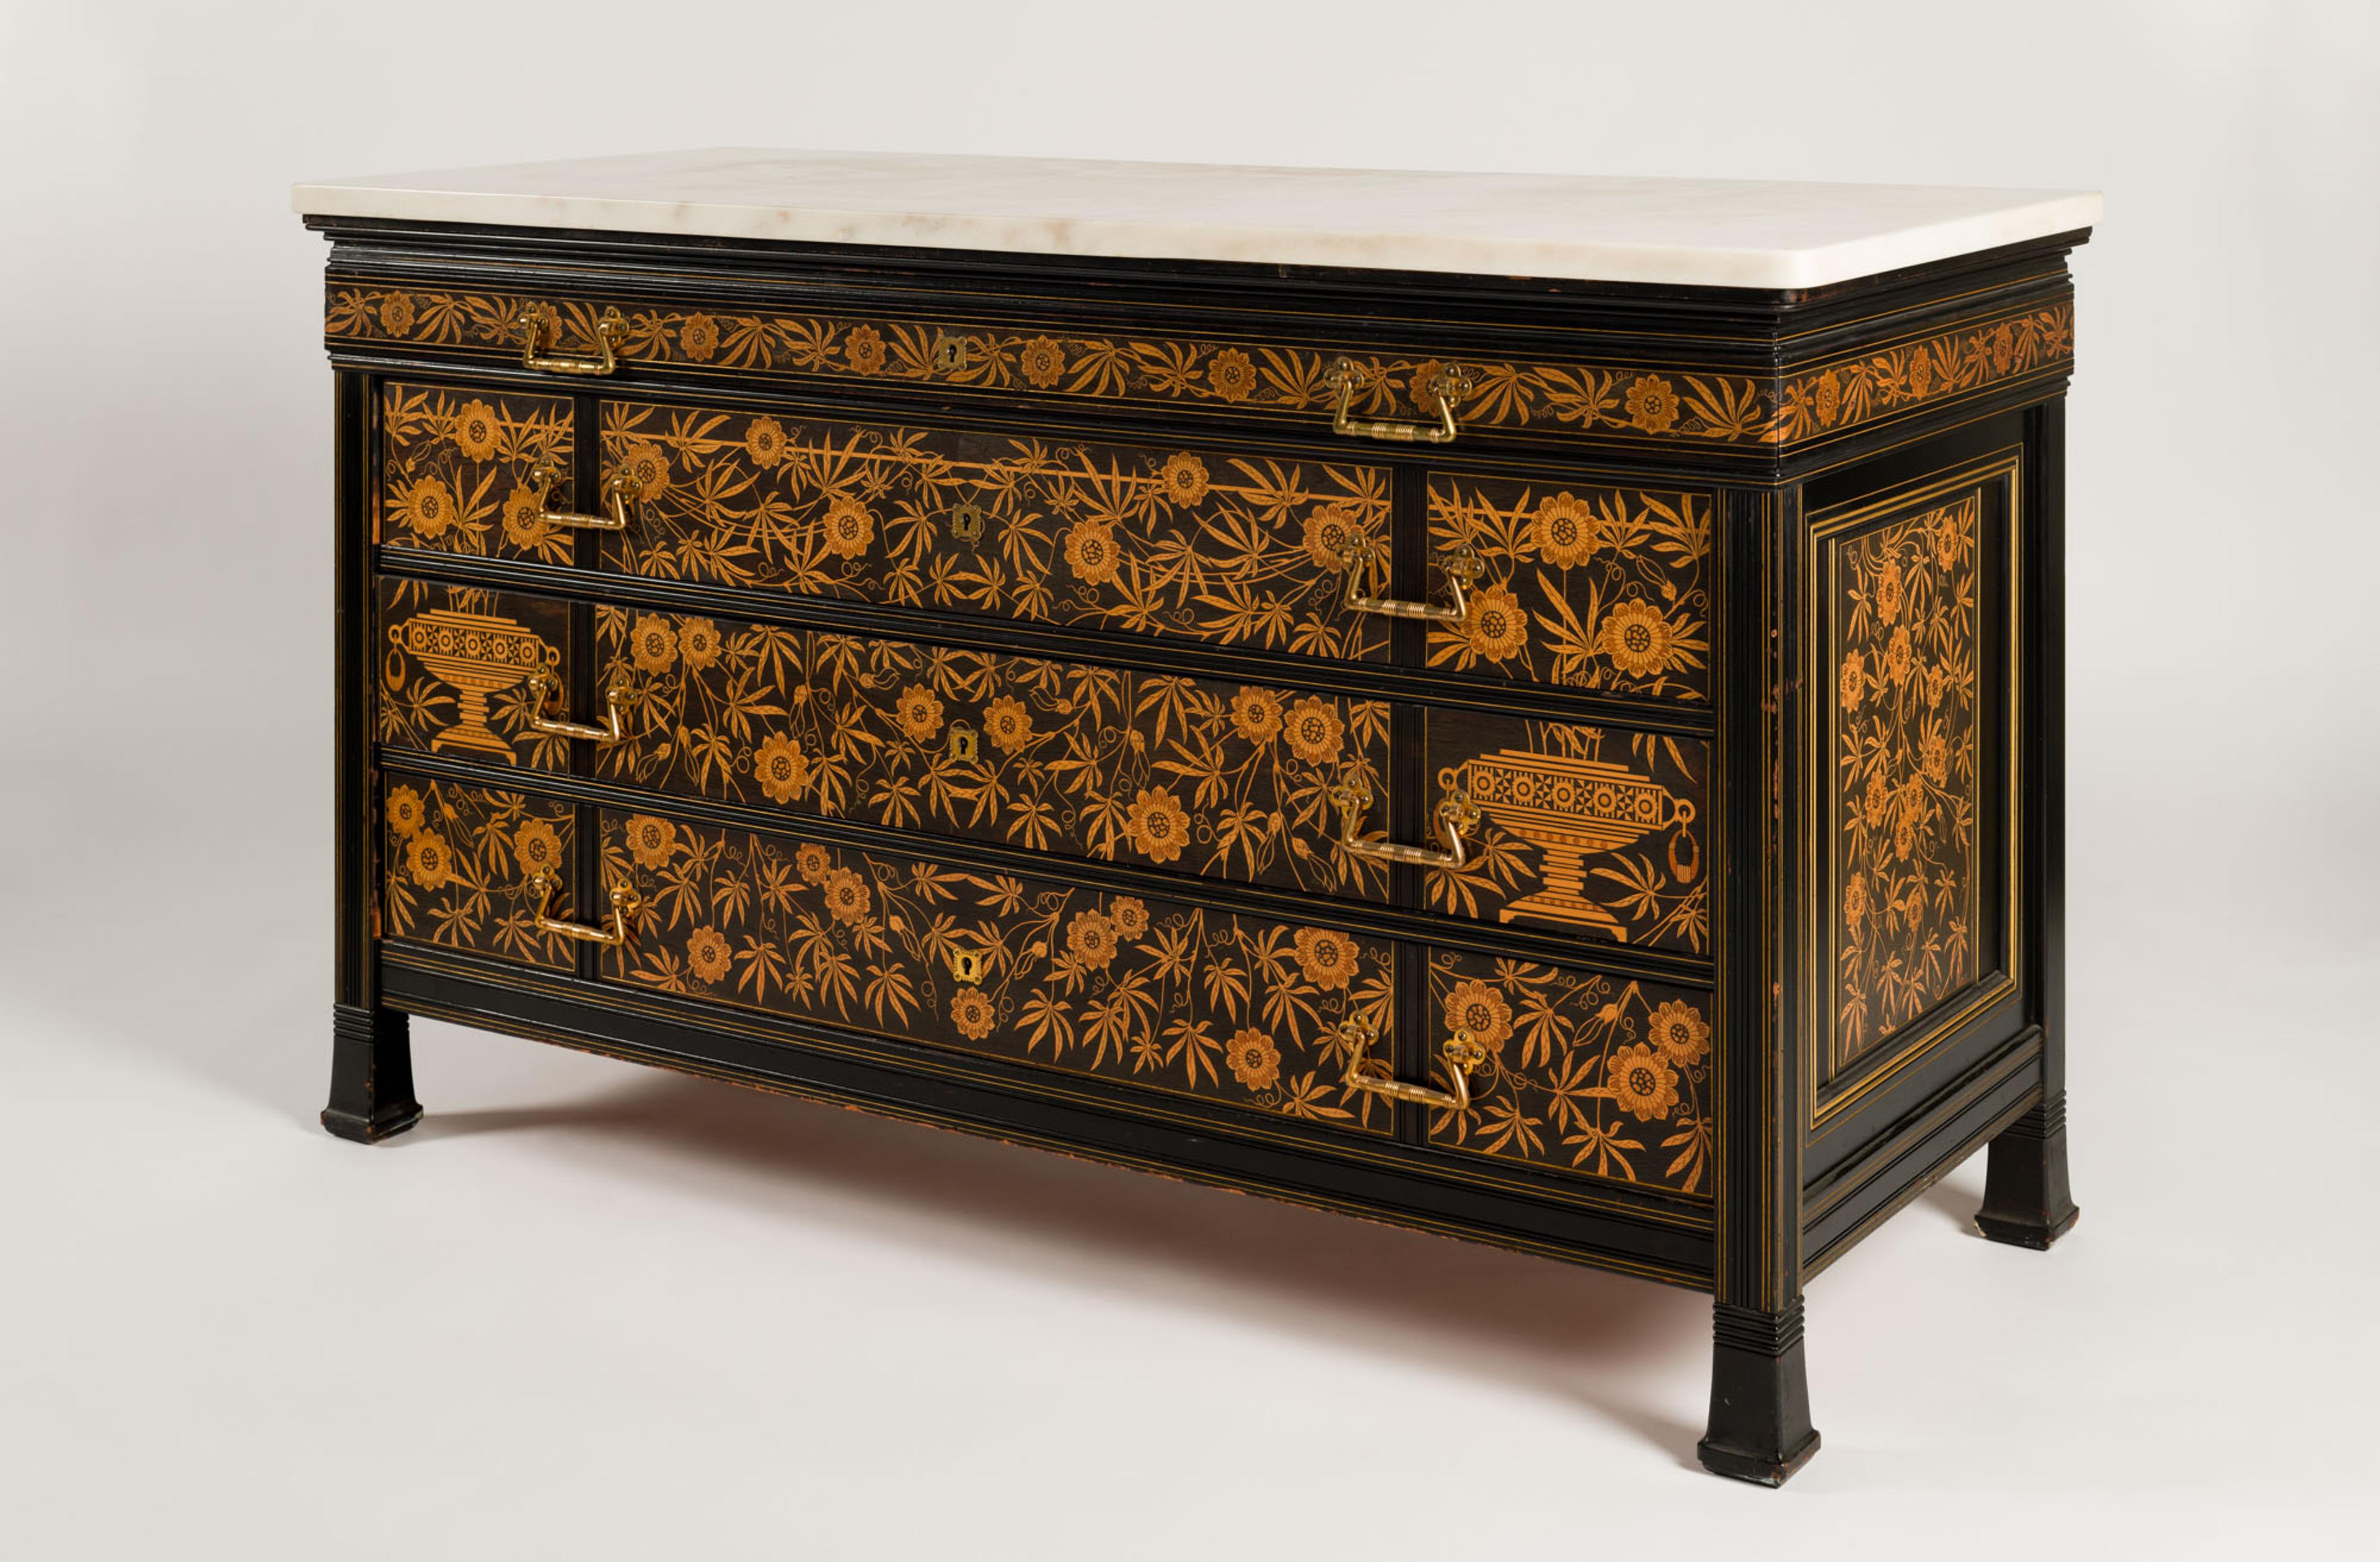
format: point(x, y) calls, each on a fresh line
point(1361, 556)
point(1456, 813)
point(535, 320)
point(617, 700)
point(624, 904)
point(618, 489)
point(1462, 1053)
point(1444, 387)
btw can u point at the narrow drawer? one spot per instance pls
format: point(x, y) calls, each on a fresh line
point(454, 866)
point(460, 470)
point(1161, 996)
point(1583, 1073)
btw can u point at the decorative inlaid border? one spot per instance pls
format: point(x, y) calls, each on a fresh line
point(1665, 403)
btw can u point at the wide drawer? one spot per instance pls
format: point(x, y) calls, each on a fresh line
point(1594, 830)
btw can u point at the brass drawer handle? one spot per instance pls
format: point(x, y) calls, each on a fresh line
point(1444, 387)
point(1462, 1053)
point(1456, 813)
point(535, 320)
point(1361, 557)
point(617, 700)
point(618, 489)
point(624, 904)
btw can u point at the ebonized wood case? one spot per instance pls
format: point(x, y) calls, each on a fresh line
point(1090, 703)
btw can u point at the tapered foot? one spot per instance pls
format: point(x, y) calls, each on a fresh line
point(2026, 1200)
point(1760, 1396)
point(371, 1075)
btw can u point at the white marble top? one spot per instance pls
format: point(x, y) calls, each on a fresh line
point(1722, 233)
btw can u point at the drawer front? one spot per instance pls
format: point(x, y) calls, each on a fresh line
point(454, 864)
point(1587, 1074)
point(1224, 781)
point(1588, 586)
point(458, 671)
point(1227, 549)
point(454, 467)
point(1165, 997)
point(1594, 830)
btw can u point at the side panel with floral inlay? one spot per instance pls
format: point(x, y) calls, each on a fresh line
point(1597, 830)
point(455, 867)
point(1220, 780)
point(1907, 615)
point(1148, 993)
point(1244, 550)
point(1598, 1075)
point(1584, 584)
point(454, 669)
point(453, 471)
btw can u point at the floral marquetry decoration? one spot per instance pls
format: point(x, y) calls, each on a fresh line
point(1165, 996)
point(1905, 681)
point(455, 866)
point(455, 471)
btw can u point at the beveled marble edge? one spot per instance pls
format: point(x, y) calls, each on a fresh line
point(1686, 232)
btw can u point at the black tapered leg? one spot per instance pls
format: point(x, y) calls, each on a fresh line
point(371, 1075)
point(1760, 1396)
point(2026, 1200)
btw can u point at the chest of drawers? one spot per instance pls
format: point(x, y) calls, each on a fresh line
point(1545, 730)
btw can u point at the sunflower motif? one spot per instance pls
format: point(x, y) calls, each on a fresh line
point(1652, 406)
point(1855, 903)
point(1879, 801)
point(1827, 394)
point(404, 810)
point(1314, 729)
point(1934, 758)
point(707, 954)
point(1130, 915)
point(1921, 372)
point(1887, 596)
point(1042, 361)
point(1326, 956)
point(764, 442)
point(537, 848)
point(647, 466)
point(1899, 656)
point(476, 431)
point(1008, 723)
point(1637, 637)
point(1567, 531)
point(525, 524)
point(1091, 939)
point(813, 862)
point(1231, 374)
point(1949, 535)
point(1254, 1059)
point(396, 313)
point(1329, 529)
point(430, 860)
point(654, 643)
point(1642, 1082)
point(698, 641)
point(1904, 834)
point(971, 1013)
point(850, 528)
point(650, 840)
point(863, 349)
point(1680, 1033)
point(1852, 685)
point(1091, 550)
point(919, 713)
point(1184, 478)
point(2003, 349)
point(1257, 715)
point(699, 336)
point(1157, 826)
point(1937, 683)
point(1478, 1008)
point(426, 507)
point(1498, 626)
point(846, 897)
point(781, 768)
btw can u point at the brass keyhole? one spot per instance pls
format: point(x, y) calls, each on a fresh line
point(966, 523)
point(950, 354)
point(968, 966)
point(962, 741)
